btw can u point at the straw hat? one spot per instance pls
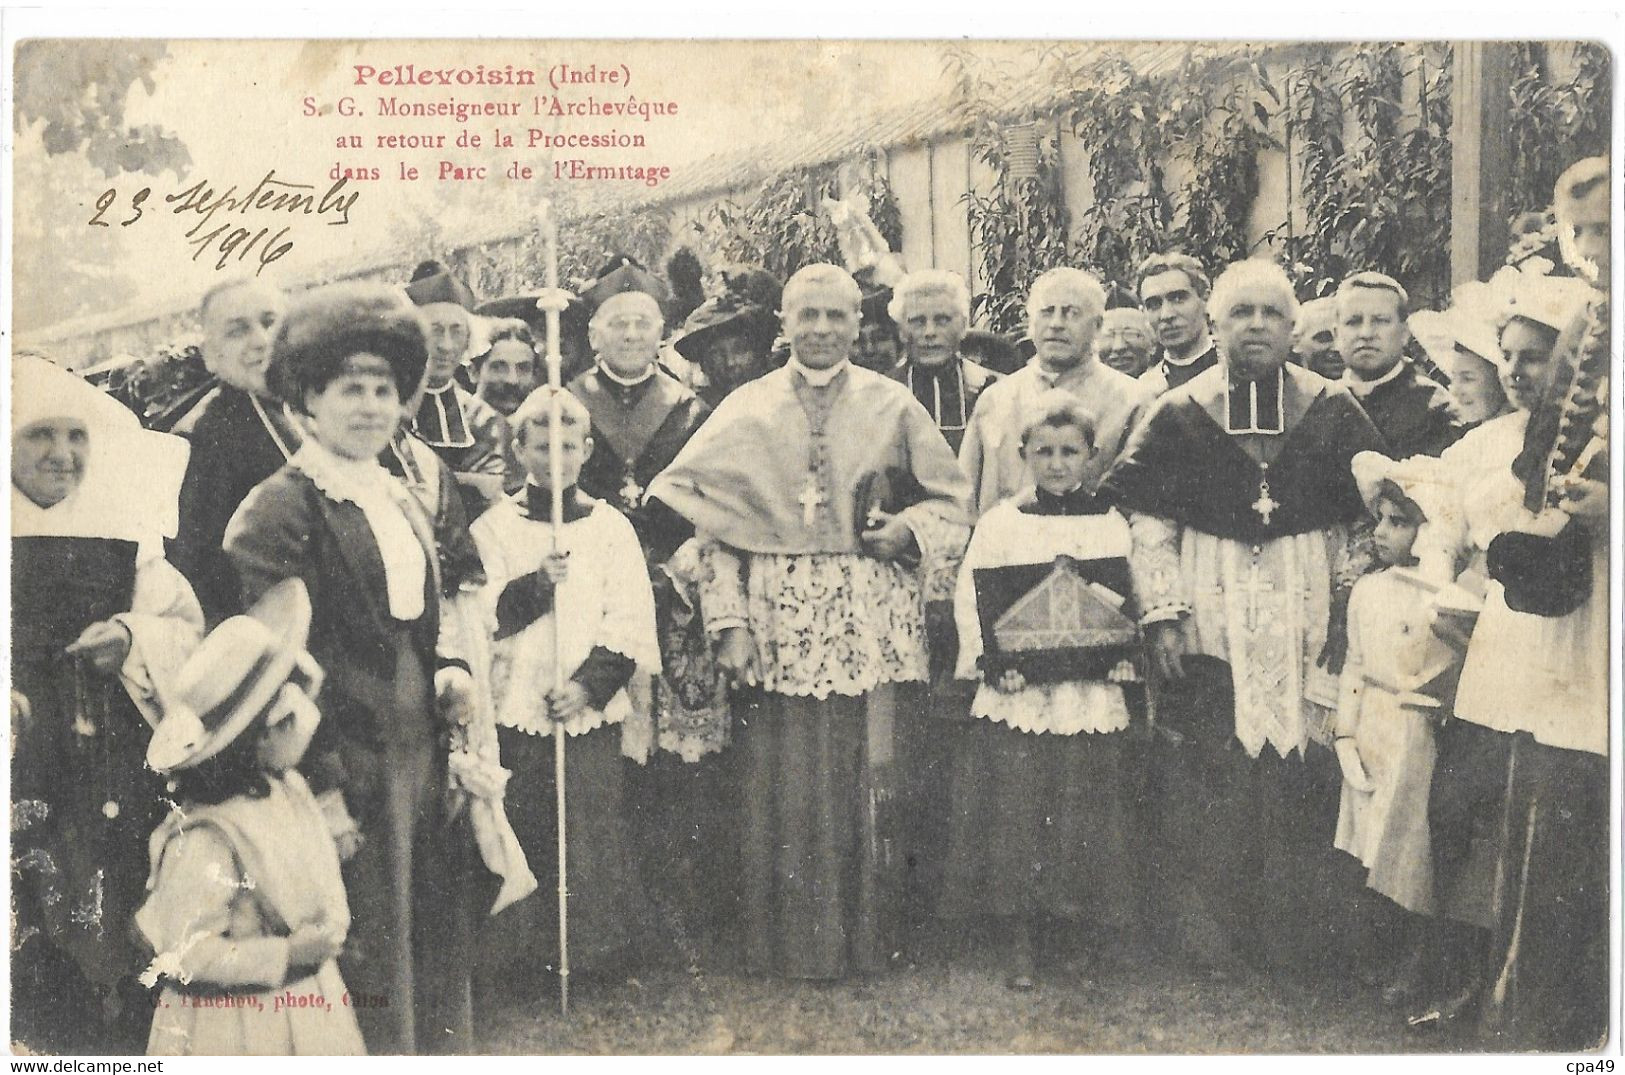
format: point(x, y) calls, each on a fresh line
point(231, 678)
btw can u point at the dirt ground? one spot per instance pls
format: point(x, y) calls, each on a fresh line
point(1129, 998)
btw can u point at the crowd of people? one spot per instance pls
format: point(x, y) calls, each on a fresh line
point(1220, 618)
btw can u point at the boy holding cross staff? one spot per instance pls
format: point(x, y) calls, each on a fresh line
point(546, 548)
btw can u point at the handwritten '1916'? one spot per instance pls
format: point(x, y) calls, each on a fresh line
point(270, 194)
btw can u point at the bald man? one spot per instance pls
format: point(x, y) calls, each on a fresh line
point(1064, 314)
point(240, 436)
point(835, 506)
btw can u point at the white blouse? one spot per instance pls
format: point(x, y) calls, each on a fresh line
point(384, 501)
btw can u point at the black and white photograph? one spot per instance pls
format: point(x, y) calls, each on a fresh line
point(664, 547)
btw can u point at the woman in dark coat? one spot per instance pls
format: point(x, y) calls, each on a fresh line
point(346, 357)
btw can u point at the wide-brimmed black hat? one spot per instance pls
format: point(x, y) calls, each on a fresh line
point(433, 282)
point(748, 306)
point(876, 308)
point(523, 306)
point(325, 326)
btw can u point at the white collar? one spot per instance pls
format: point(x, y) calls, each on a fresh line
point(1362, 388)
point(354, 480)
point(625, 382)
point(450, 385)
point(1207, 345)
point(818, 378)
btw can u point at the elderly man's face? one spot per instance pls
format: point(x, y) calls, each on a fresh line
point(1062, 321)
point(932, 326)
point(237, 330)
point(1314, 339)
point(625, 332)
point(1255, 329)
point(1371, 334)
point(447, 326)
point(1125, 341)
point(1170, 300)
point(821, 320)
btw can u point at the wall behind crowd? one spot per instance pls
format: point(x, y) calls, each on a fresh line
point(1098, 156)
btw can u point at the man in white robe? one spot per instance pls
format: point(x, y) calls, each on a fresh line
point(1064, 313)
point(828, 493)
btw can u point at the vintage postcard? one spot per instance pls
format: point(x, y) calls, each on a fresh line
point(532, 546)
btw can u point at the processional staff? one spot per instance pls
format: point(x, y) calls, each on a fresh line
point(552, 301)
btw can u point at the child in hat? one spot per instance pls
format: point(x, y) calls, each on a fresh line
point(1393, 691)
point(246, 909)
point(1041, 808)
point(593, 591)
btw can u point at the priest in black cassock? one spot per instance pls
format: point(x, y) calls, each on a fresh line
point(1414, 413)
point(1242, 499)
point(464, 430)
point(931, 309)
point(240, 436)
point(641, 415)
point(1173, 290)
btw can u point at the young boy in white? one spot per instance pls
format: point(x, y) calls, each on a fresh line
point(1041, 821)
point(593, 589)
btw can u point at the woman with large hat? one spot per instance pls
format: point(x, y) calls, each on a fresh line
point(1511, 666)
point(729, 338)
point(347, 358)
point(99, 617)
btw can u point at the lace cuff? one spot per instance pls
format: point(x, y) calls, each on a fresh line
point(722, 589)
point(1159, 585)
point(942, 547)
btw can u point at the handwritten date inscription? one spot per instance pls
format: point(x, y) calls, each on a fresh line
point(227, 226)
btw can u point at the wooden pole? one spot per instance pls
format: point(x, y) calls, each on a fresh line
point(556, 477)
point(1480, 158)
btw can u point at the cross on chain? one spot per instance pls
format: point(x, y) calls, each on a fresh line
point(810, 500)
point(631, 490)
point(1265, 505)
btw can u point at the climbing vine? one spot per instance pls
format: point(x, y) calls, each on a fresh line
point(1172, 159)
point(783, 225)
point(1370, 127)
point(1574, 114)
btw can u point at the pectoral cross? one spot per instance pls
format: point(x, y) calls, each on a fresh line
point(1265, 505)
point(810, 500)
point(631, 490)
point(1255, 587)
